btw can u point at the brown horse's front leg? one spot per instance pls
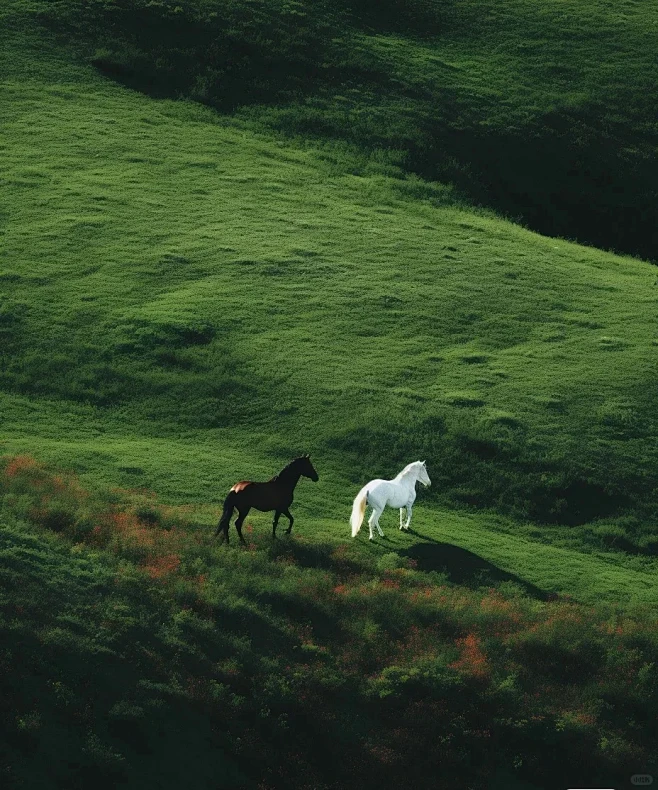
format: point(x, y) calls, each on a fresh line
point(286, 513)
point(275, 523)
point(239, 521)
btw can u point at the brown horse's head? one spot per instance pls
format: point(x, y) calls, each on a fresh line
point(306, 468)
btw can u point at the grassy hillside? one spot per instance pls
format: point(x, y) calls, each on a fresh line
point(188, 298)
point(170, 273)
point(545, 112)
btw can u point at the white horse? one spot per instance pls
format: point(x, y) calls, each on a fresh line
point(399, 492)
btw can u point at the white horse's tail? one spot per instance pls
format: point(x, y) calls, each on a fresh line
point(359, 510)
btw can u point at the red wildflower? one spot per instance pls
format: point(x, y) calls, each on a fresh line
point(473, 661)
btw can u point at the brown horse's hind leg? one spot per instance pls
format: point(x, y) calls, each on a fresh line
point(286, 513)
point(275, 522)
point(239, 521)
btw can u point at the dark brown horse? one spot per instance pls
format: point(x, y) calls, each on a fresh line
point(274, 495)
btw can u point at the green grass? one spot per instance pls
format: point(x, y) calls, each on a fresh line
point(187, 301)
point(189, 298)
point(519, 106)
point(196, 250)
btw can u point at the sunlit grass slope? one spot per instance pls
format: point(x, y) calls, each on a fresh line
point(169, 273)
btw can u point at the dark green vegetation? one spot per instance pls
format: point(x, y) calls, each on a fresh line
point(135, 654)
point(188, 298)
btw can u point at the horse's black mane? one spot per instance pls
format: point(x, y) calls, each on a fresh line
point(287, 468)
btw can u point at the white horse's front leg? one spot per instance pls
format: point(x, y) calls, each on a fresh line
point(402, 517)
point(409, 508)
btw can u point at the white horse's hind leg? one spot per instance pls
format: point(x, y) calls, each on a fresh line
point(373, 521)
point(379, 529)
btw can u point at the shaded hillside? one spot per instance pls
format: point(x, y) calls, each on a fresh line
point(544, 114)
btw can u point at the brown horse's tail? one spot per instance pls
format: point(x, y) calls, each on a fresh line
point(229, 505)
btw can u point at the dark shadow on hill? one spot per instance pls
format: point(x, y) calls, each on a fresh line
point(313, 555)
point(466, 568)
point(576, 503)
point(302, 609)
point(565, 174)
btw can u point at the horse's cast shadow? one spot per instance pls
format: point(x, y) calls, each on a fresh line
point(462, 566)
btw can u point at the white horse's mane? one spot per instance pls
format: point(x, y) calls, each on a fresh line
point(408, 468)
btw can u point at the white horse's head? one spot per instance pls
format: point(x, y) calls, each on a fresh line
point(423, 477)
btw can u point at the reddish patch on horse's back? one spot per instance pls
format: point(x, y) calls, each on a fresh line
point(241, 486)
